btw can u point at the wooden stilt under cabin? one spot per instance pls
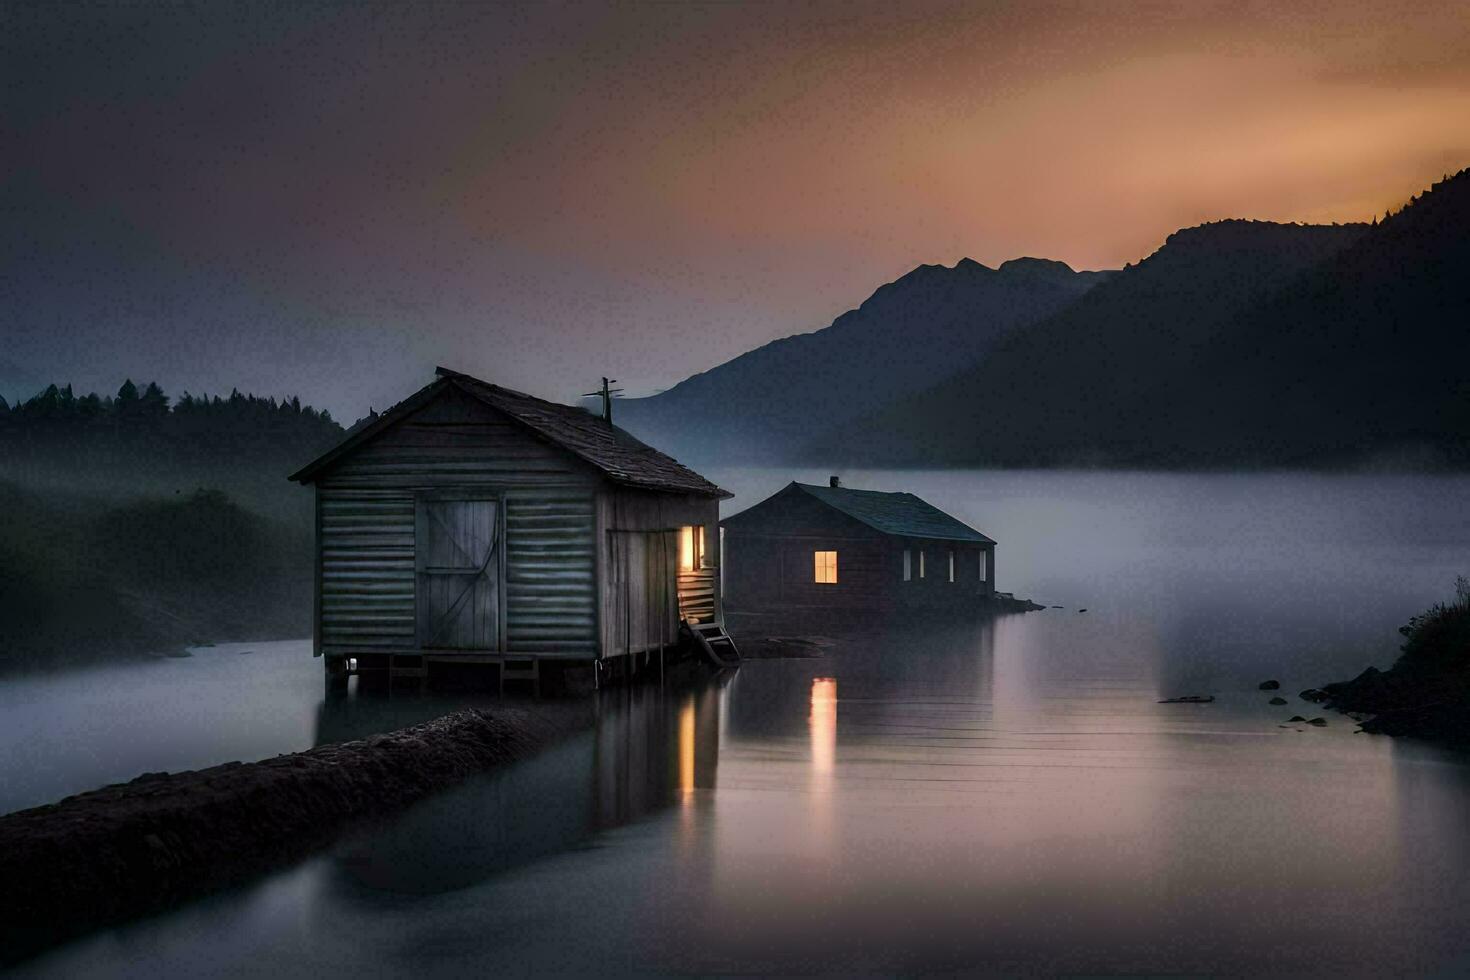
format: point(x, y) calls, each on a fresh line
point(472, 525)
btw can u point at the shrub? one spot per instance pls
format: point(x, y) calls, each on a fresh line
point(1439, 638)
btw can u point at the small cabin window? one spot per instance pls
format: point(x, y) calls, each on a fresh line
point(908, 564)
point(984, 565)
point(921, 563)
point(951, 566)
point(691, 548)
point(826, 567)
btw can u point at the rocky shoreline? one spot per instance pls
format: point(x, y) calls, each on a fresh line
point(1429, 707)
point(126, 850)
point(1426, 693)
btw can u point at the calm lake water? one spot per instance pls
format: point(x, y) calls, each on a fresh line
point(1001, 797)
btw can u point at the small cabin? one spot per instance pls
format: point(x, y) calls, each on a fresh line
point(473, 524)
point(833, 547)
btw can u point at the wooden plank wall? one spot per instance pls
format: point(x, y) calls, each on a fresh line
point(456, 440)
point(551, 587)
point(366, 558)
point(366, 546)
point(623, 510)
point(640, 598)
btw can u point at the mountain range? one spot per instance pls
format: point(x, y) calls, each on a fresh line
point(911, 333)
point(1236, 343)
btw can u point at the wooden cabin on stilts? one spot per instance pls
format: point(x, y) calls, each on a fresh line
point(473, 526)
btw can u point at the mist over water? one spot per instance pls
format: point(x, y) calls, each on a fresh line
point(1003, 796)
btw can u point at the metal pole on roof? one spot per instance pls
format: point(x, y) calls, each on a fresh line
point(606, 393)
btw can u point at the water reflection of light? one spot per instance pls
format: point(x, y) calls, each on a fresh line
point(824, 723)
point(686, 748)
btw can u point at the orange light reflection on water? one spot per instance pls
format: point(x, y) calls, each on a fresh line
point(823, 724)
point(686, 748)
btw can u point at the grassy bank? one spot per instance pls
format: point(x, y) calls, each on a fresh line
point(83, 580)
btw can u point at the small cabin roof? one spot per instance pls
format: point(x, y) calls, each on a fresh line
point(900, 514)
point(622, 458)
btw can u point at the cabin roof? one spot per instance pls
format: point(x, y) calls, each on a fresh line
point(622, 458)
point(900, 514)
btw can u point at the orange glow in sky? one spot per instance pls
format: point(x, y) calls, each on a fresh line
point(349, 194)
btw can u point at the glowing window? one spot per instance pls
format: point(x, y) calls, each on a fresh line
point(951, 566)
point(826, 567)
point(921, 563)
point(691, 548)
point(908, 565)
point(984, 566)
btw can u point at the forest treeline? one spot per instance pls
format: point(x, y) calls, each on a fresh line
point(137, 523)
point(141, 442)
point(199, 422)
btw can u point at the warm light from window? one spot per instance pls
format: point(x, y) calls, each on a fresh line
point(691, 548)
point(826, 567)
point(951, 566)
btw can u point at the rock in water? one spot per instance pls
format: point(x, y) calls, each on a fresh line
point(1314, 695)
point(1319, 722)
point(1277, 701)
point(1269, 686)
point(1295, 718)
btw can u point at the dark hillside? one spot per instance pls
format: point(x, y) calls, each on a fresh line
point(134, 527)
point(1087, 384)
point(1366, 358)
point(764, 405)
point(83, 582)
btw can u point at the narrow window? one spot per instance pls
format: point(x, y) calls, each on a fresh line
point(984, 566)
point(825, 567)
point(951, 566)
point(691, 548)
point(908, 565)
point(921, 563)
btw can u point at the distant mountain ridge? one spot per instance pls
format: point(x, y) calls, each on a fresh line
point(764, 405)
point(1366, 357)
point(1051, 393)
point(1235, 344)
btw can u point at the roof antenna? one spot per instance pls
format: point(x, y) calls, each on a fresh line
point(607, 397)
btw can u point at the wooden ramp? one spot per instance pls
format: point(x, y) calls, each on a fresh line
point(714, 644)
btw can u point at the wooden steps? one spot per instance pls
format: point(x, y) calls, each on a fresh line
point(714, 644)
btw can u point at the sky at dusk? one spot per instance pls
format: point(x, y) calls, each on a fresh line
point(331, 199)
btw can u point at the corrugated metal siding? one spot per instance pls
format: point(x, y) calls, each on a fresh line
point(551, 587)
point(367, 568)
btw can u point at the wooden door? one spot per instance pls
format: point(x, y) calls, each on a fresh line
point(457, 545)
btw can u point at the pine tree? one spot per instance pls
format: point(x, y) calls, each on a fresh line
point(154, 401)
